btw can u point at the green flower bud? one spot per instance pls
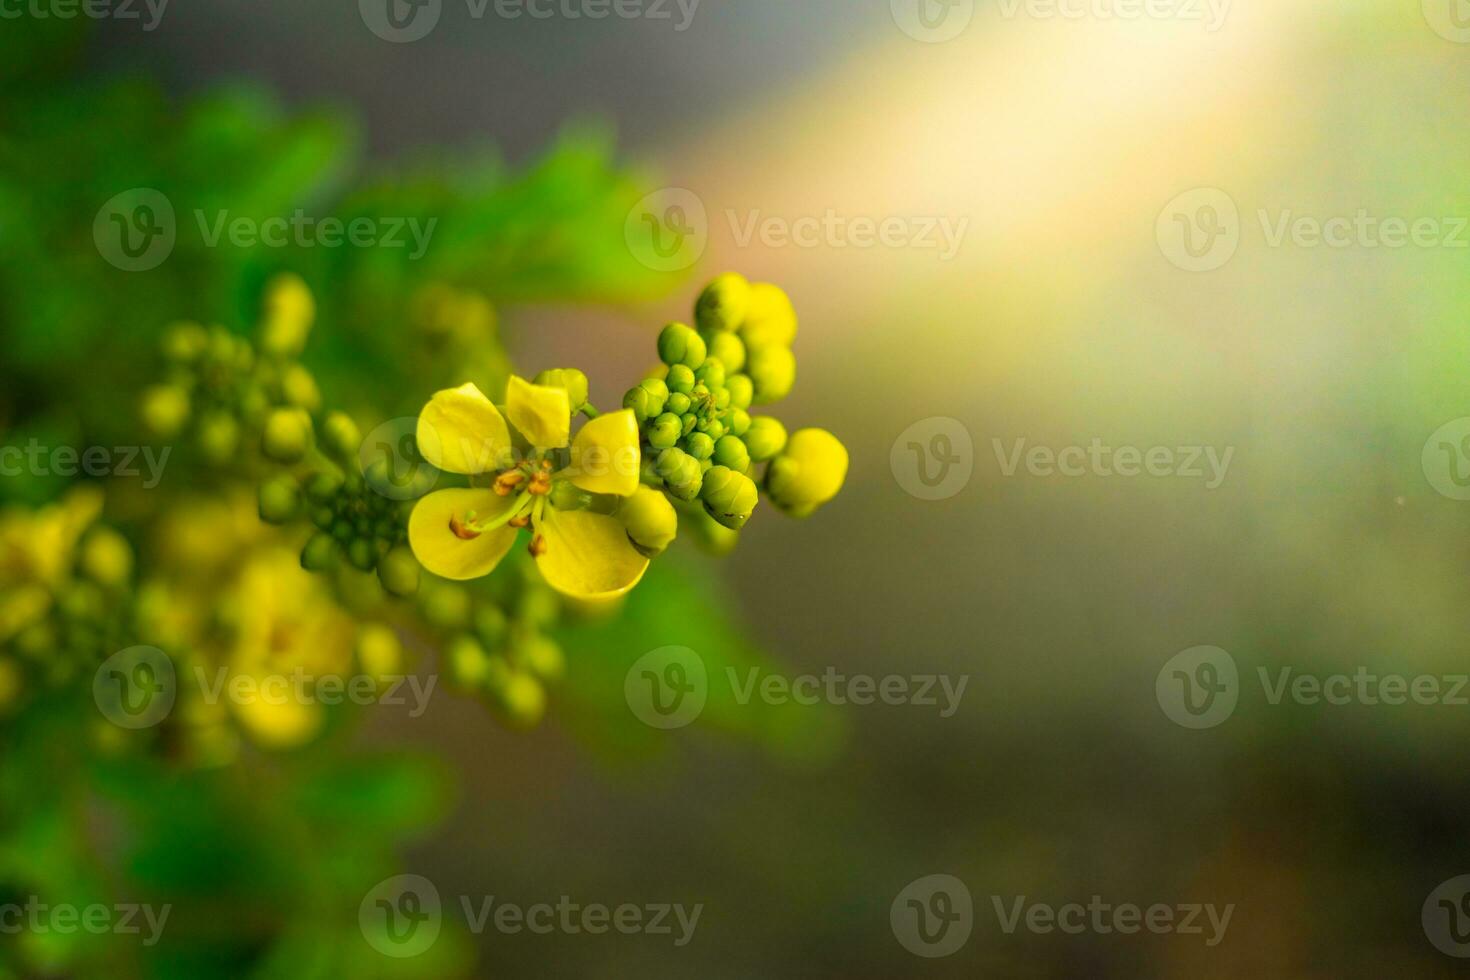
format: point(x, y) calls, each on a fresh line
point(699, 445)
point(252, 403)
point(468, 664)
point(299, 388)
point(680, 472)
point(770, 320)
point(323, 487)
point(361, 553)
point(165, 409)
point(647, 400)
point(379, 652)
point(741, 389)
point(279, 500)
point(731, 452)
point(491, 625)
point(287, 435)
point(650, 520)
point(219, 436)
point(185, 342)
point(320, 553)
point(543, 658)
point(772, 372)
point(538, 607)
point(522, 699)
point(726, 346)
point(739, 422)
point(679, 344)
point(711, 373)
point(722, 400)
point(713, 428)
point(571, 380)
point(665, 431)
point(729, 497)
point(399, 572)
point(678, 404)
point(289, 311)
point(765, 438)
point(688, 422)
point(680, 379)
point(444, 605)
point(341, 436)
point(107, 558)
point(724, 303)
point(808, 473)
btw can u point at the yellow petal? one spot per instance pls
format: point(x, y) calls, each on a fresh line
point(279, 724)
point(588, 556)
point(539, 412)
point(605, 457)
point(461, 431)
point(443, 552)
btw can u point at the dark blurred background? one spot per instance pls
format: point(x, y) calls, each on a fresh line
point(1061, 319)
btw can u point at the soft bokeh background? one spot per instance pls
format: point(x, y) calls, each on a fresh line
point(1059, 320)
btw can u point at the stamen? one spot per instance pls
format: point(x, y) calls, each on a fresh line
point(468, 529)
point(461, 531)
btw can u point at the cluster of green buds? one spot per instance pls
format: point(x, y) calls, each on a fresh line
point(495, 642)
point(223, 391)
point(701, 444)
point(56, 629)
point(356, 522)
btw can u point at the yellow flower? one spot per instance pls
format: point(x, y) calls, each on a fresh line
point(463, 534)
point(287, 635)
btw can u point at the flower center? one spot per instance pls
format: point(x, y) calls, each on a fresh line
point(530, 481)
